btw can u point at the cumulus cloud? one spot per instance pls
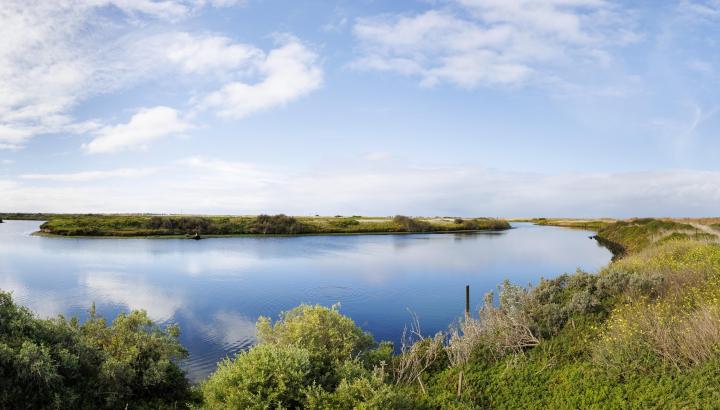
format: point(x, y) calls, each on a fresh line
point(146, 126)
point(203, 53)
point(56, 54)
point(287, 73)
point(254, 80)
point(47, 65)
point(492, 42)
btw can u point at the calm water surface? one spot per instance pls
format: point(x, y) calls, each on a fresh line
point(215, 289)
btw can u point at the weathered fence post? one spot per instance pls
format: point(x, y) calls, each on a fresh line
point(467, 301)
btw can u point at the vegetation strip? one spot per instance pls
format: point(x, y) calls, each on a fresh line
point(196, 226)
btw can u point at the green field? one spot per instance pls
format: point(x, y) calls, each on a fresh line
point(177, 225)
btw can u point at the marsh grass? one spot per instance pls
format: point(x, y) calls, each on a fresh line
point(178, 225)
point(418, 353)
point(637, 234)
point(678, 324)
point(465, 338)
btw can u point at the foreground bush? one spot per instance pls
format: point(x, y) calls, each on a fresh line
point(367, 392)
point(311, 357)
point(63, 364)
point(264, 377)
point(329, 337)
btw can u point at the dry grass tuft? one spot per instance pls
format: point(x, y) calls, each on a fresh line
point(418, 354)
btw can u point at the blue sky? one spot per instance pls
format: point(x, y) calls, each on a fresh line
point(445, 107)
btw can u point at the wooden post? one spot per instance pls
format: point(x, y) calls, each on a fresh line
point(467, 301)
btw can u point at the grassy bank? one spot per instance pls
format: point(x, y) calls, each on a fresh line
point(644, 332)
point(589, 224)
point(635, 235)
point(147, 225)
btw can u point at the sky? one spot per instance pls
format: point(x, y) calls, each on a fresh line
point(505, 108)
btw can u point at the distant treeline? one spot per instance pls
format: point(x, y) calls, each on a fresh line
point(27, 216)
point(156, 225)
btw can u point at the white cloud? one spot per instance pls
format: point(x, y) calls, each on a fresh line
point(288, 72)
point(170, 9)
point(165, 9)
point(492, 42)
point(222, 3)
point(146, 126)
point(200, 54)
point(707, 9)
point(224, 187)
point(92, 175)
point(58, 53)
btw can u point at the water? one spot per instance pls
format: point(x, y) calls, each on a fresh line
point(215, 289)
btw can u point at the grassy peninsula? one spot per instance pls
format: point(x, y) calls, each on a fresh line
point(180, 225)
point(644, 332)
point(590, 224)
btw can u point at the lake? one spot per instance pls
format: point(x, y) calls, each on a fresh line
point(215, 289)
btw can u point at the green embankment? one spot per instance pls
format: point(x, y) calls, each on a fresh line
point(636, 234)
point(589, 224)
point(146, 225)
point(644, 332)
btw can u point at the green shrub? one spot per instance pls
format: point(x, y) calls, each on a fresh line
point(368, 392)
point(483, 223)
point(63, 364)
point(299, 362)
point(277, 224)
point(328, 336)
point(407, 224)
point(264, 377)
